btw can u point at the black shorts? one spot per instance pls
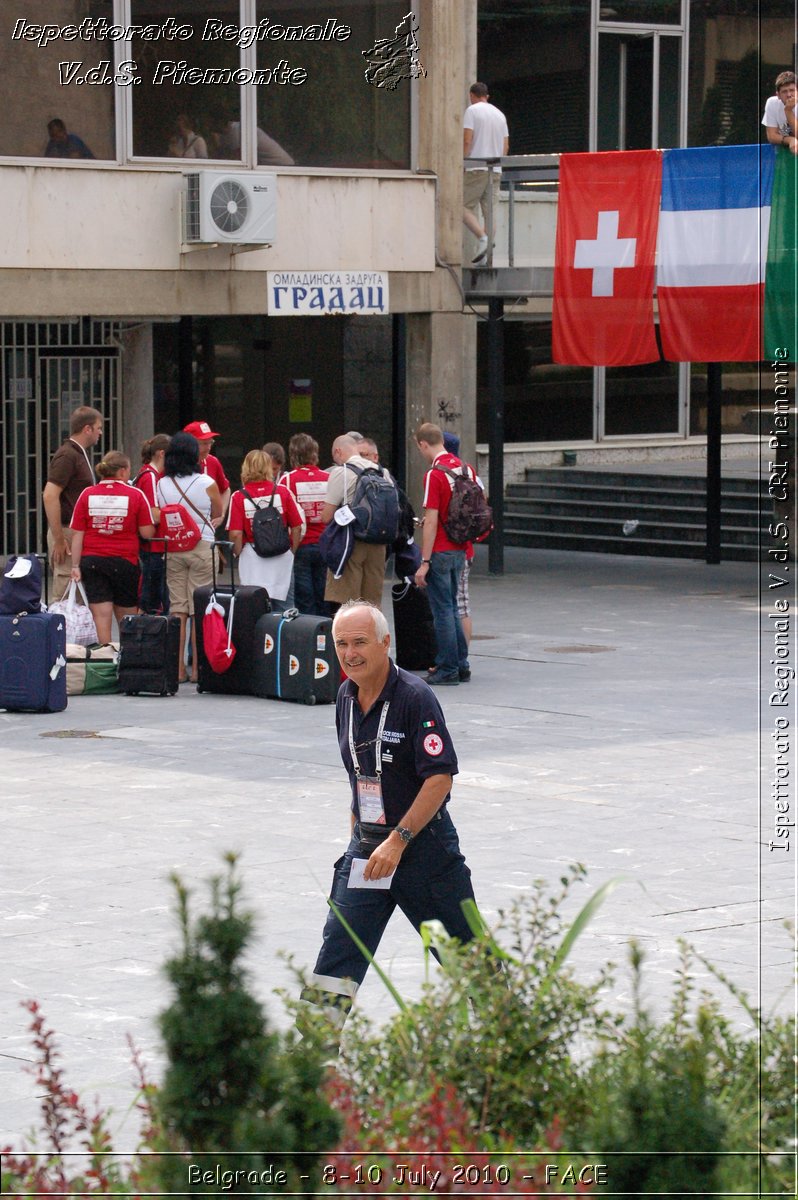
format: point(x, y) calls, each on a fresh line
point(110, 580)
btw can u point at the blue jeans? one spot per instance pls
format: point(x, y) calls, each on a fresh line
point(310, 576)
point(442, 583)
point(430, 882)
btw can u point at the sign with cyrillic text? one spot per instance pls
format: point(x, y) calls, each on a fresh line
point(323, 293)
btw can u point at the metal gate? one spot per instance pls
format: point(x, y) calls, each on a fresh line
point(46, 371)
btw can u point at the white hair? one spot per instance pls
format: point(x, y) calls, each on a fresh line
point(377, 616)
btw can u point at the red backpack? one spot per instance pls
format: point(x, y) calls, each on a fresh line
point(177, 527)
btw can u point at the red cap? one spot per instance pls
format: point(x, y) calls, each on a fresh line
point(201, 430)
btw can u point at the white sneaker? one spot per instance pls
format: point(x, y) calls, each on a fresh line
point(482, 251)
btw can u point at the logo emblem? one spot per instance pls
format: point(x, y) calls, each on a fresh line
point(293, 664)
point(268, 644)
point(322, 668)
point(433, 744)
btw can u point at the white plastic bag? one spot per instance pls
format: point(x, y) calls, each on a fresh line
point(79, 622)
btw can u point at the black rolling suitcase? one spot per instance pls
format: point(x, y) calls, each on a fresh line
point(251, 603)
point(149, 655)
point(294, 658)
point(415, 646)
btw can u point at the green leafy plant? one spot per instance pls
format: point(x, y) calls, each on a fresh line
point(235, 1094)
point(504, 1024)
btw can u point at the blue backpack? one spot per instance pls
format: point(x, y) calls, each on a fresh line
point(375, 505)
point(21, 593)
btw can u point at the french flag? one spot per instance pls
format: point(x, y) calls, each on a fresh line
point(712, 250)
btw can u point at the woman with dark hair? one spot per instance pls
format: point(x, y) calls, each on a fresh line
point(109, 518)
point(154, 595)
point(184, 483)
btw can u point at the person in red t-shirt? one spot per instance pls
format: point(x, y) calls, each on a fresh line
point(272, 573)
point(154, 592)
point(442, 560)
point(108, 520)
point(209, 463)
point(308, 484)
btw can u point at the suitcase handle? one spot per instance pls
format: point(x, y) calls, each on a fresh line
point(224, 542)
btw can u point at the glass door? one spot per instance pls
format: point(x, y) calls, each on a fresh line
point(638, 95)
point(638, 76)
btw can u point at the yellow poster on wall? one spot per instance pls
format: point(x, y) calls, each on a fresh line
point(300, 402)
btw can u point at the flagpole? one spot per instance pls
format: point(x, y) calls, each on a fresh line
point(714, 395)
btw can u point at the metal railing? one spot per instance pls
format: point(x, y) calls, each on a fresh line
point(523, 171)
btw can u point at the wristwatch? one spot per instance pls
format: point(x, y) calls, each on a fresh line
point(404, 834)
point(426, 560)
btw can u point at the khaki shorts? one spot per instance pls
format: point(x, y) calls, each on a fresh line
point(185, 571)
point(363, 576)
point(61, 571)
point(475, 193)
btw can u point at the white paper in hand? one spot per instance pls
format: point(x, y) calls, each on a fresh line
point(356, 879)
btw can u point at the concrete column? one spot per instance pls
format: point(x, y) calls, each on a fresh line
point(435, 378)
point(137, 399)
point(441, 351)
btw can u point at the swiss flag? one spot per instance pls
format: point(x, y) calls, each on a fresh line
point(608, 212)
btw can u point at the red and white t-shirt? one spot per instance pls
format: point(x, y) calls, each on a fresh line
point(211, 466)
point(147, 482)
point(438, 493)
point(243, 509)
point(309, 487)
point(110, 514)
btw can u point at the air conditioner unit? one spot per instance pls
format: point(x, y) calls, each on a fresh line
point(221, 206)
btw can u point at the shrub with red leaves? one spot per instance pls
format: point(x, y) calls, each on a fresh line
point(431, 1145)
point(78, 1158)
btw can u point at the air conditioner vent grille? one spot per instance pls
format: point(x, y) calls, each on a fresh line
point(193, 208)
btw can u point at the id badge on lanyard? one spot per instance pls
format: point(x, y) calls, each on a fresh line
point(370, 806)
point(369, 799)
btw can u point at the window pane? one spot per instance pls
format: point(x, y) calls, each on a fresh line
point(669, 91)
point(643, 12)
point(535, 59)
point(641, 399)
point(84, 111)
point(186, 106)
point(735, 56)
point(335, 117)
point(544, 401)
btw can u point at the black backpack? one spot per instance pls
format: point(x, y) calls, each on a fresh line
point(269, 534)
point(375, 505)
point(469, 517)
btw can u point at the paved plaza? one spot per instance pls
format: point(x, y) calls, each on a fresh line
point(612, 720)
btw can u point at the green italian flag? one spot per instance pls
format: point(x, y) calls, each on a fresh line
point(781, 274)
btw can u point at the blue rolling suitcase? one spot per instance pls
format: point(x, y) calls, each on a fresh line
point(33, 662)
point(295, 659)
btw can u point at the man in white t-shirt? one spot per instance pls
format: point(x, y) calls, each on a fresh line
point(779, 117)
point(485, 135)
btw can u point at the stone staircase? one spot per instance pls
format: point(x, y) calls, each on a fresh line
point(628, 512)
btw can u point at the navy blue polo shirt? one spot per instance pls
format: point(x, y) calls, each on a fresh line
point(415, 742)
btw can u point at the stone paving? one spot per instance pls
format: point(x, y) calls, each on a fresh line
point(612, 720)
